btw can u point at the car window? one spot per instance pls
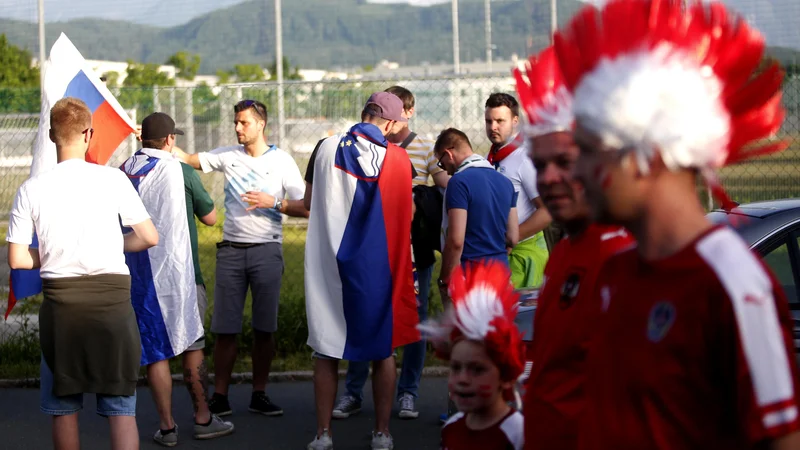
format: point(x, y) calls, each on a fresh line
point(781, 264)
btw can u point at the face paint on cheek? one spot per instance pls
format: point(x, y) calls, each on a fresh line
point(484, 391)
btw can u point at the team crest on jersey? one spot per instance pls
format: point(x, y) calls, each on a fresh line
point(662, 316)
point(569, 290)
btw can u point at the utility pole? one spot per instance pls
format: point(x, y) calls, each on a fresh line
point(42, 50)
point(553, 19)
point(456, 62)
point(279, 69)
point(488, 18)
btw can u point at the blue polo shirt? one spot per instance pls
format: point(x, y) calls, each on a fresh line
point(488, 197)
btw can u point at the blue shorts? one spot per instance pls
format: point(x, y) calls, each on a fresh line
point(107, 405)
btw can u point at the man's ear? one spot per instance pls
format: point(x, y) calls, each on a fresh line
point(410, 112)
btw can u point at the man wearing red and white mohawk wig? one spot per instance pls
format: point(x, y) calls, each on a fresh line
point(566, 315)
point(695, 350)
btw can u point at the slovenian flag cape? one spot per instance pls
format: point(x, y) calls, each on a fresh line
point(163, 290)
point(360, 298)
point(67, 74)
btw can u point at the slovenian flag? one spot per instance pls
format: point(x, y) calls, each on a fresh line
point(67, 74)
point(163, 292)
point(360, 298)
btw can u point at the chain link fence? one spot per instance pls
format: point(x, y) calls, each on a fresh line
point(311, 111)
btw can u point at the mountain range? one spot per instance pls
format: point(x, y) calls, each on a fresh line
point(341, 33)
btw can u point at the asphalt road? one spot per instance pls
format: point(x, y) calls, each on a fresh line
point(22, 426)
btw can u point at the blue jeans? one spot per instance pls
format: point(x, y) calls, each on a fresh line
point(413, 354)
point(107, 405)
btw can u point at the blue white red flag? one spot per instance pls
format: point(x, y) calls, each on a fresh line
point(163, 290)
point(360, 298)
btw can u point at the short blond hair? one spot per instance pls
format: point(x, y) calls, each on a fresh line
point(69, 118)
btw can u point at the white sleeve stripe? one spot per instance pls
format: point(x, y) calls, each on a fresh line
point(514, 429)
point(777, 418)
point(750, 291)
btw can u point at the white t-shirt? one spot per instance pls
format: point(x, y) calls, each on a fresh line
point(75, 209)
point(518, 168)
point(274, 172)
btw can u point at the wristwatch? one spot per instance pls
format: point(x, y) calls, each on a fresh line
point(441, 283)
point(278, 204)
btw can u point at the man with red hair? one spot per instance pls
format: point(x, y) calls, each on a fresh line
point(566, 315)
point(695, 348)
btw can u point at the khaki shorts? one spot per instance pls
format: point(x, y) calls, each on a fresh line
point(202, 304)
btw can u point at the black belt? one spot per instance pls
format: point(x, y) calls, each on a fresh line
point(238, 244)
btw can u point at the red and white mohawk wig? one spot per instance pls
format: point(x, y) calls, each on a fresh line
point(651, 76)
point(484, 308)
point(544, 96)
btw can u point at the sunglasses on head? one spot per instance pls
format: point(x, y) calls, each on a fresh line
point(259, 107)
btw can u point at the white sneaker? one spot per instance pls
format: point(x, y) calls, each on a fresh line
point(346, 407)
point(407, 409)
point(381, 441)
point(323, 442)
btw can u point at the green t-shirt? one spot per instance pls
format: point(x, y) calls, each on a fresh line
point(198, 203)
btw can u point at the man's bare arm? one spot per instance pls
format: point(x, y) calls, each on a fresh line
point(23, 257)
point(209, 219)
point(512, 229)
point(192, 160)
point(295, 208)
point(537, 222)
point(144, 236)
point(454, 242)
point(307, 197)
point(441, 178)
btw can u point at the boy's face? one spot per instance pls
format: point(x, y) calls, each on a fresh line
point(474, 381)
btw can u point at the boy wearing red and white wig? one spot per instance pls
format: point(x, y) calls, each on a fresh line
point(479, 338)
point(696, 347)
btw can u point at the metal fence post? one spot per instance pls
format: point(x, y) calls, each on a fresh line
point(132, 141)
point(156, 101)
point(189, 108)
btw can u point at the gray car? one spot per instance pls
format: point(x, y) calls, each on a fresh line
point(771, 229)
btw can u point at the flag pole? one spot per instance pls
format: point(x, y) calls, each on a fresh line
point(41, 47)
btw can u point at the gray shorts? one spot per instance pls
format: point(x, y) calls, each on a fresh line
point(202, 305)
point(260, 268)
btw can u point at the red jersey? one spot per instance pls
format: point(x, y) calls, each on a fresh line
point(565, 317)
point(696, 352)
point(506, 434)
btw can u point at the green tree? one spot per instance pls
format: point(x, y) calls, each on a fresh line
point(112, 79)
point(288, 72)
point(146, 75)
point(224, 76)
point(16, 69)
point(248, 72)
point(187, 64)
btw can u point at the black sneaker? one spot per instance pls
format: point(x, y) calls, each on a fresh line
point(219, 405)
point(260, 403)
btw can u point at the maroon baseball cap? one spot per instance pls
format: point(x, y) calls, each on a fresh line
point(389, 105)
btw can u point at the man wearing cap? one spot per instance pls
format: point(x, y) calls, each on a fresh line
point(163, 289)
point(258, 179)
point(360, 297)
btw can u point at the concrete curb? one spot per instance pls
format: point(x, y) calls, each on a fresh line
point(236, 378)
